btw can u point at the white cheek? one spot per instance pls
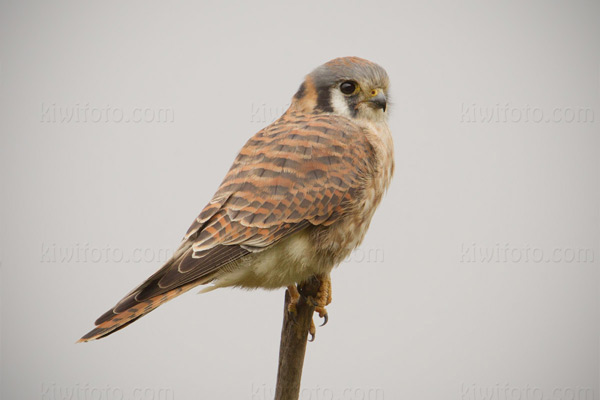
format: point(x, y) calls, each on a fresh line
point(371, 114)
point(339, 104)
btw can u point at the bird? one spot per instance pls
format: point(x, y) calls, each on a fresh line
point(296, 202)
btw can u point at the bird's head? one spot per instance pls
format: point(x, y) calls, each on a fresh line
point(348, 86)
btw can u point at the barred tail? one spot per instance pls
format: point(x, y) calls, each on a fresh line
point(115, 319)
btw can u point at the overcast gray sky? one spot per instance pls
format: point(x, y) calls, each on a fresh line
point(478, 277)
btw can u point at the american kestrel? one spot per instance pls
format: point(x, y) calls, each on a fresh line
point(297, 200)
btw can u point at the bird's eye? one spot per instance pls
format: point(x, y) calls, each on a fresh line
point(348, 87)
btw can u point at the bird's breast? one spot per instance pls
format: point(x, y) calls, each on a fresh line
point(342, 237)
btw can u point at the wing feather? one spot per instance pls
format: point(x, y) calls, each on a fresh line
point(302, 170)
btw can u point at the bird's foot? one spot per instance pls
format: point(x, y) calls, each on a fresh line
point(294, 299)
point(319, 301)
point(322, 299)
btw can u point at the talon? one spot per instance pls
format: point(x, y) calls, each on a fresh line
point(321, 310)
point(325, 320)
point(323, 314)
point(312, 331)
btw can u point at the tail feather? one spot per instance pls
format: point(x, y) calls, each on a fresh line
point(157, 290)
point(110, 324)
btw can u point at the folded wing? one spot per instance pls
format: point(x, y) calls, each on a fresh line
point(302, 170)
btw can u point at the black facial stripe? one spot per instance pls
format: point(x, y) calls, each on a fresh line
point(352, 102)
point(324, 100)
point(301, 91)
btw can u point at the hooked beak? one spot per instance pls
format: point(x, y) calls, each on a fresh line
point(378, 101)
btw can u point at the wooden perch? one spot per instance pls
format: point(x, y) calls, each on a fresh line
point(294, 335)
